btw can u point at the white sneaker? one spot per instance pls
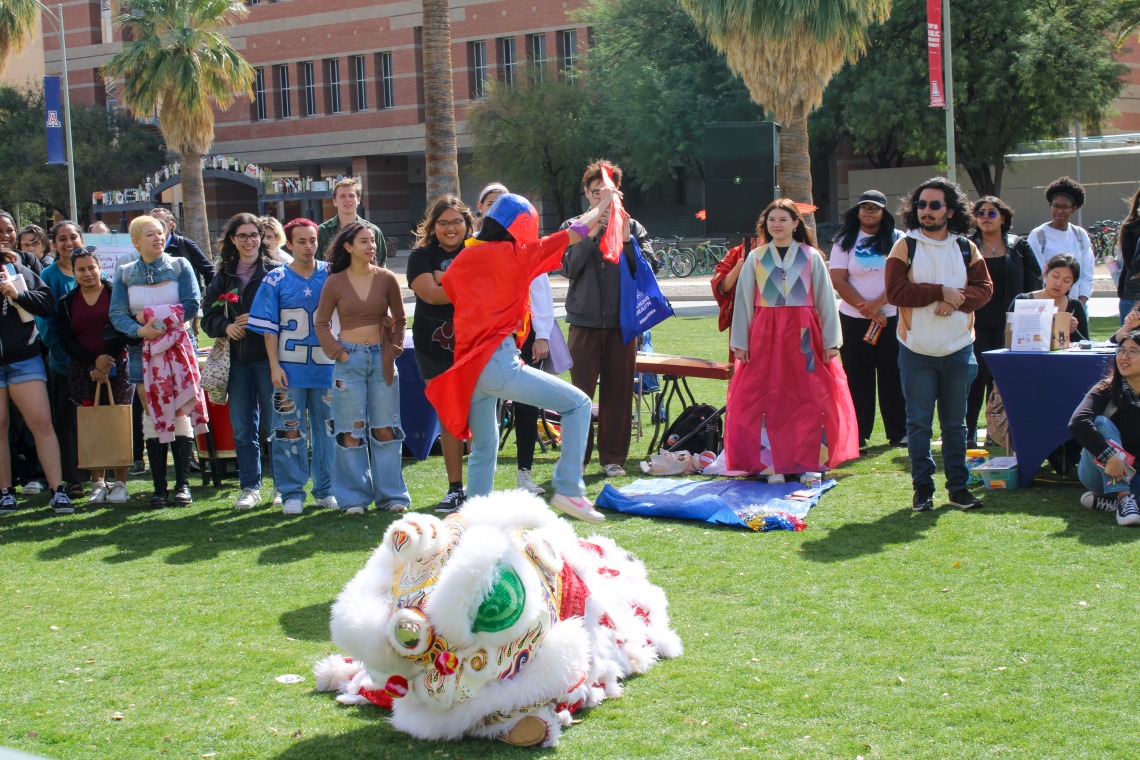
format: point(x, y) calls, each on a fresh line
point(293, 507)
point(276, 498)
point(119, 493)
point(248, 500)
point(577, 506)
point(99, 493)
point(34, 487)
point(328, 502)
point(527, 484)
point(613, 470)
point(357, 510)
point(775, 480)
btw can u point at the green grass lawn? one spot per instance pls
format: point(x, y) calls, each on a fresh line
point(1009, 631)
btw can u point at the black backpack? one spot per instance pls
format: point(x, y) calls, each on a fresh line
point(963, 246)
point(690, 419)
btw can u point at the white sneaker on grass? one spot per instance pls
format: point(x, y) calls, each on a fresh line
point(354, 510)
point(34, 487)
point(577, 506)
point(249, 499)
point(1127, 511)
point(327, 502)
point(293, 507)
point(119, 493)
point(99, 492)
point(776, 480)
point(276, 498)
point(1090, 500)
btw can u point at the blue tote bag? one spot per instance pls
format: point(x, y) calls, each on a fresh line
point(643, 306)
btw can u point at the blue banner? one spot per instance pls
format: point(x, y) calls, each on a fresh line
point(56, 154)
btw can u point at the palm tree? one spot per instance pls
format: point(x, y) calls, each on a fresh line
point(786, 53)
point(17, 23)
point(179, 65)
point(439, 102)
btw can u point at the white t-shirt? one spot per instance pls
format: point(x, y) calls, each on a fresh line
point(1066, 241)
point(865, 267)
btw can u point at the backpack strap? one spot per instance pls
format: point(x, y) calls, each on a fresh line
point(963, 246)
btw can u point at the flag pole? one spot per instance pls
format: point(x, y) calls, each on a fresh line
point(948, 88)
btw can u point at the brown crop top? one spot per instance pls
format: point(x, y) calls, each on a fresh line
point(384, 306)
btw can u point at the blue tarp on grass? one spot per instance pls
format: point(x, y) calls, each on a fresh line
point(721, 502)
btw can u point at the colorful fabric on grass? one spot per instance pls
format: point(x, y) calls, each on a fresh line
point(750, 504)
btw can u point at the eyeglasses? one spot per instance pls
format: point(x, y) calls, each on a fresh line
point(869, 208)
point(932, 205)
point(984, 214)
point(1061, 207)
point(452, 224)
point(596, 193)
point(1132, 354)
point(245, 237)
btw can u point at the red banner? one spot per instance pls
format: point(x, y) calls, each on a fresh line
point(613, 239)
point(934, 51)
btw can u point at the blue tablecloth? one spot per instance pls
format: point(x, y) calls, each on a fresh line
point(1040, 392)
point(417, 415)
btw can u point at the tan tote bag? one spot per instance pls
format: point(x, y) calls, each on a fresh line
point(105, 433)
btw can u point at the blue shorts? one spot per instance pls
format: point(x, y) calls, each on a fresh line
point(23, 371)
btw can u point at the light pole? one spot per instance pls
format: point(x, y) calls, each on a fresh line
point(57, 20)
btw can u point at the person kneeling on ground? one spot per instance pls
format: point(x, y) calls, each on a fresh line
point(1107, 425)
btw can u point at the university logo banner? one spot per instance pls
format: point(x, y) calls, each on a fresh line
point(56, 154)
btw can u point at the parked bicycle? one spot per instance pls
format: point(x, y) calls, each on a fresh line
point(1102, 235)
point(672, 259)
point(707, 255)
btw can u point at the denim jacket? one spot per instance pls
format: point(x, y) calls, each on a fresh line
point(135, 271)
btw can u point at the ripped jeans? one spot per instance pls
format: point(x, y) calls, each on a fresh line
point(300, 417)
point(369, 441)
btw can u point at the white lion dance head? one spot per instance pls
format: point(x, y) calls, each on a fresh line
point(497, 622)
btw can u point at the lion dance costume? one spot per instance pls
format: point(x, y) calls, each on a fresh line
point(496, 622)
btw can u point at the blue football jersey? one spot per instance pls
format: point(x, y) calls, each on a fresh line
point(285, 304)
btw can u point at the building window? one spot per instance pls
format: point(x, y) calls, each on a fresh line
point(283, 91)
point(387, 82)
point(259, 94)
point(309, 80)
point(568, 41)
point(360, 82)
point(508, 60)
point(478, 69)
point(334, 85)
point(253, 2)
point(537, 45)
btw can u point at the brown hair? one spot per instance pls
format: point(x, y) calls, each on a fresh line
point(594, 172)
point(801, 233)
point(425, 230)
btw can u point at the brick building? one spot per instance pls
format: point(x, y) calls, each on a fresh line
point(339, 89)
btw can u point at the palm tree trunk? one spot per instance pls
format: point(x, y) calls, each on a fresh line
point(439, 102)
point(795, 161)
point(194, 201)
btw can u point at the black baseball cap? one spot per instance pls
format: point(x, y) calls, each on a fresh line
point(873, 196)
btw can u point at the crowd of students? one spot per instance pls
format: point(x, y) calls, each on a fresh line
point(313, 336)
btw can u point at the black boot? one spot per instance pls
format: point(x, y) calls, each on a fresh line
point(156, 453)
point(183, 449)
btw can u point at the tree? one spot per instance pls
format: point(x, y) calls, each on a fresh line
point(17, 22)
point(1018, 77)
point(111, 151)
point(536, 136)
point(786, 53)
point(178, 65)
point(442, 162)
point(658, 83)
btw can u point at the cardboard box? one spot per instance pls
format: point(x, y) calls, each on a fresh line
point(1059, 338)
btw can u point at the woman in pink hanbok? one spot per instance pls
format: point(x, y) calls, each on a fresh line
point(789, 408)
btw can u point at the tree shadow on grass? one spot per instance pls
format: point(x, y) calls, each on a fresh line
point(381, 740)
point(307, 623)
point(194, 534)
point(1062, 502)
point(857, 539)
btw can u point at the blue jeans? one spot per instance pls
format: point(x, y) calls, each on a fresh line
point(1092, 474)
point(250, 391)
point(944, 380)
point(506, 377)
point(1125, 307)
point(304, 411)
point(363, 404)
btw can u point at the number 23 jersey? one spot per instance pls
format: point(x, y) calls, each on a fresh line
point(285, 305)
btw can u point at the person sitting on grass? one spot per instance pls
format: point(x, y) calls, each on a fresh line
point(1107, 425)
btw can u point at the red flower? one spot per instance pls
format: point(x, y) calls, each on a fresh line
point(231, 297)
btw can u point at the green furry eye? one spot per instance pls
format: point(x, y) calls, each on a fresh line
point(503, 604)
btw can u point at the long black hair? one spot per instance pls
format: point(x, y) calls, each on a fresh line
point(959, 221)
point(1113, 381)
point(229, 252)
point(848, 232)
point(336, 254)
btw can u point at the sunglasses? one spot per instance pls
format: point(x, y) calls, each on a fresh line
point(984, 214)
point(932, 205)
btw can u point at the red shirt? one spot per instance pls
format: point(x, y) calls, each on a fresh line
point(89, 321)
